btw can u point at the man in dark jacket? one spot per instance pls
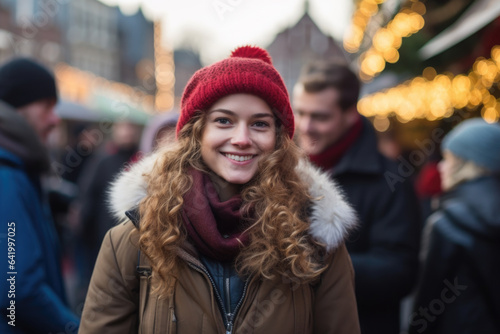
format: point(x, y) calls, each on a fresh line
point(32, 297)
point(384, 250)
point(94, 217)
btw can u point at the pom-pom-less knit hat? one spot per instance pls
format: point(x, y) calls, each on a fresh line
point(248, 70)
point(477, 141)
point(23, 81)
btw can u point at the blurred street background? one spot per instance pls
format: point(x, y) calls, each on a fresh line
point(426, 66)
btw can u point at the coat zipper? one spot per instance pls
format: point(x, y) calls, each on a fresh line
point(229, 317)
point(240, 302)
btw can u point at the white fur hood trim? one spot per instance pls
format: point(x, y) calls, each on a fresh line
point(331, 217)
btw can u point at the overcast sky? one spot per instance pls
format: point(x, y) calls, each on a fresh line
point(215, 27)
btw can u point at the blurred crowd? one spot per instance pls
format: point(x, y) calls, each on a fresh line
point(425, 253)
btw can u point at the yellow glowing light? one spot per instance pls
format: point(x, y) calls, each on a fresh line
point(489, 101)
point(429, 73)
point(397, 41)
point(391, 55)
point(402, 24)
point(364, 107)
point(481, 67)
point(365, 77)
point(351, 47)
point(381, 124)
point(475, 97)
point(368, 8)
point(375, 63)
point(358, 20)
point(418, 7)
point(462, 82)
point(386, 41)
point(490, 115)
point(365, 10)
point(402, 118)
point(383, 40)
point(495, 54)
point(416, 22)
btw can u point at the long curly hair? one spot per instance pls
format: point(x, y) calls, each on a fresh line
point(276, 201)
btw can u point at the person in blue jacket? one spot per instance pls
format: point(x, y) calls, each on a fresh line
point(32, 296)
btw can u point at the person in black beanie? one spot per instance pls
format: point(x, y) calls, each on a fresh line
point(32, 298)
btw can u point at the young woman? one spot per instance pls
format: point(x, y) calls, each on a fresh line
point(459, 289)
point(228, 230)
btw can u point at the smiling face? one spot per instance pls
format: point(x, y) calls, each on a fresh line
point(320, 121)
point(240, 129)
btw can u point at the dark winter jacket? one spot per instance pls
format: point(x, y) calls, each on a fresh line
point(384, 249)
point(196, 306)
point(31, 284)
point(95, 218)
point(459, 291)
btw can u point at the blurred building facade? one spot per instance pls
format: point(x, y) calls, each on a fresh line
point(91, 37)
point(186, 63)
point(28, 28)
point(136, 39)
point(304, 41)
point(85, 34)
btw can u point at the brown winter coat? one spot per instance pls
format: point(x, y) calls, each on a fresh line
point(285, 306)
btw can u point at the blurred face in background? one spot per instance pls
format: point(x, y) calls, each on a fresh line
point(126, 135)
point(164, 136)
point(319, 119)
point(41, 116)
point(447, 168)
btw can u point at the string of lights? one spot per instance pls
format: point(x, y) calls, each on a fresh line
point(363, 13)
point(387, 40)
point(165, 77)
point(434, 96)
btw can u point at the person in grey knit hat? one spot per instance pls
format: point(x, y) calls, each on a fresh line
point(471, 150)
point(33, 298)
point(459, 291)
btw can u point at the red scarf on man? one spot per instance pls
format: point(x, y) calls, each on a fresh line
point(327, 159)
point(215, 227)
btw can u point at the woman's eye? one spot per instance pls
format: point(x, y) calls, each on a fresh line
point(223, 121)
point(261, 124)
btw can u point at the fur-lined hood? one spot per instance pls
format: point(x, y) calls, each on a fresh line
point(331, 217)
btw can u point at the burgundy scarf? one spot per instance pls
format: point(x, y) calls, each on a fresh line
point(215, 227)
point(327, 159)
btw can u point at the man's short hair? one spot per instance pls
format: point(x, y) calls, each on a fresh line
point(318, 75)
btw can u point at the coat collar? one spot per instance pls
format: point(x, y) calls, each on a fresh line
point(331, 216)
point(363, 156)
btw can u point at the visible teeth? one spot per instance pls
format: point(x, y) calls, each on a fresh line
point(239, 157)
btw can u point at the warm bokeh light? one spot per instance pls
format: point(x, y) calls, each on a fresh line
point(387, 41)
point(354, 35)
point(164, 73)
point(381, 124)
point(434, 96)
point(79, 86)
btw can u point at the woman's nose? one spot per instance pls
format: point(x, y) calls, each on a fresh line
point(241, 136)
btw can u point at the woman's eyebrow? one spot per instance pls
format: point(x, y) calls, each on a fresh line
point(225, 111)
point(232, 113)
point(262, 115)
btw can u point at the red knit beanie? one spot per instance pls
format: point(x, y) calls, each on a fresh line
point(249, 69)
